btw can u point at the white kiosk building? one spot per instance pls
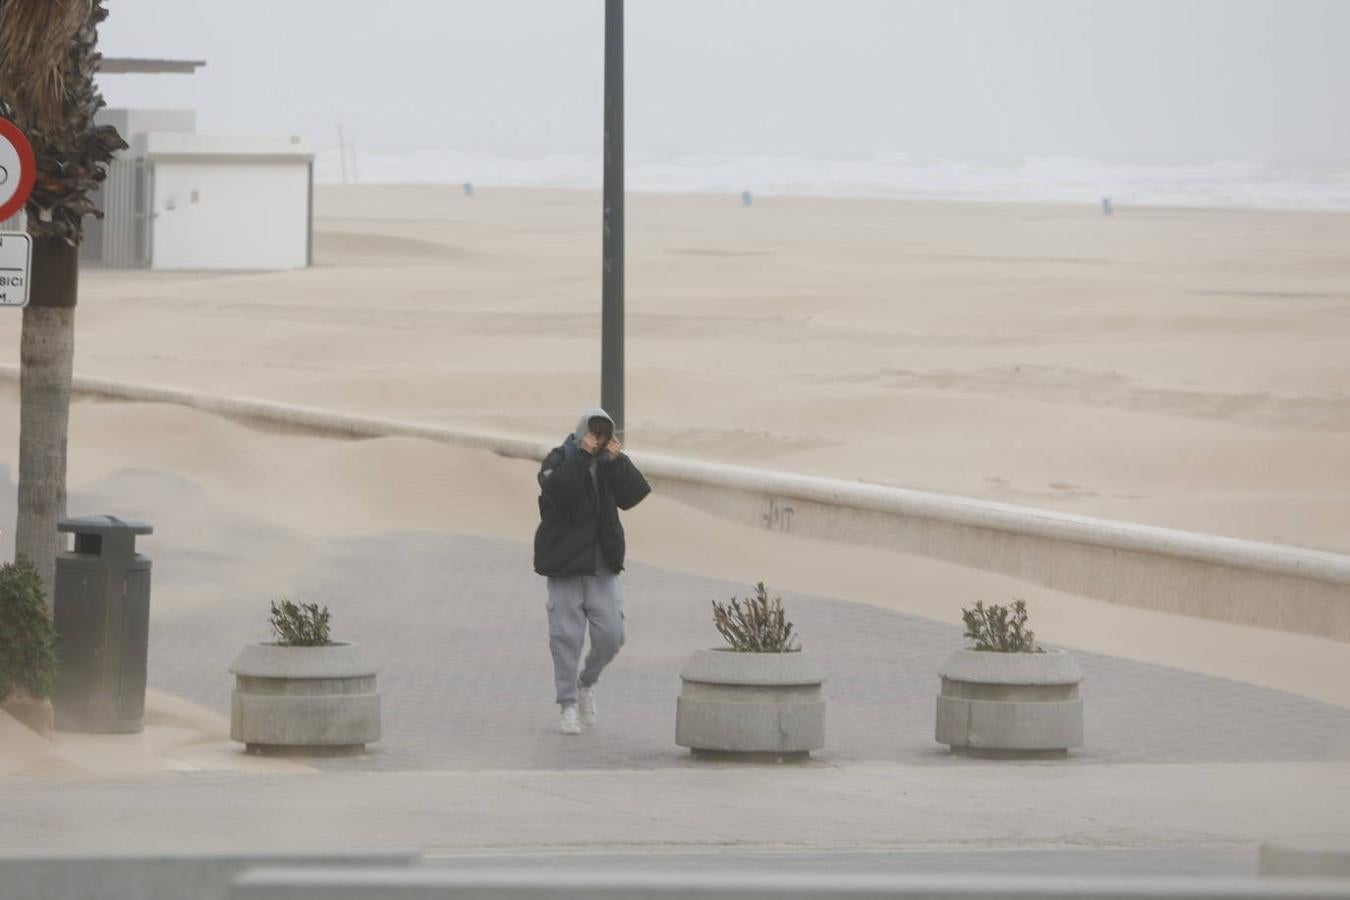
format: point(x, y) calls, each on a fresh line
point(176, 199)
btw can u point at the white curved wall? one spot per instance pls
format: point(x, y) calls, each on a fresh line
point(1226, 579)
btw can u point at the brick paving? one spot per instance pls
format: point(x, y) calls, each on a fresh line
point(457, 627)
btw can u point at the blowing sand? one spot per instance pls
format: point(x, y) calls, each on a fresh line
point(1179, 368)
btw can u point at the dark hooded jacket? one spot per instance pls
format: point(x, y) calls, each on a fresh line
point(579, 502)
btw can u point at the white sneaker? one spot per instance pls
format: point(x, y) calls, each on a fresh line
point(586, 699)
point(569, 724)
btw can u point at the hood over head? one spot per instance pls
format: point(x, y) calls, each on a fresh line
point(584, 423)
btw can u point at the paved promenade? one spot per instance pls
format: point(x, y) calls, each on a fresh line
point(1181, 773)
point(457, 627)
point(726, 808)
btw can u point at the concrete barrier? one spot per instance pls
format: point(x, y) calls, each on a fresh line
point(163, 877)
point(1225, 579)
point(1219, 578)
point(443, 884)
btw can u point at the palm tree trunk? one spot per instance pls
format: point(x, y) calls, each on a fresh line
point(48, 58)
point(47, 351)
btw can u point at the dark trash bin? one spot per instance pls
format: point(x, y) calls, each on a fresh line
point(101, 613)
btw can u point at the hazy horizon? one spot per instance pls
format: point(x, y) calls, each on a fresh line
point(1126, 80)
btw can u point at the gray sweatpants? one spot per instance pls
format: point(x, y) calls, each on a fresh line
point(573, 602)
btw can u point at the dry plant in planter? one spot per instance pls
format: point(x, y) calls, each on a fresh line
point(999, 628)
point(760, 626)
point(299, 624)
point(1005, 695)
point(304, 692)
point(758, 696)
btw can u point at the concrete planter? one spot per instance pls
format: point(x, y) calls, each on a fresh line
point(751, 703)
point(304, 699)
point(1010, 703)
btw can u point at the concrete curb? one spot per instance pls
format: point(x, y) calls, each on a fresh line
point(166, 876)
point(1225, 579)
point(418, 883)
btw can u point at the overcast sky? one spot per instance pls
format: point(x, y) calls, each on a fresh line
point(1113, 79)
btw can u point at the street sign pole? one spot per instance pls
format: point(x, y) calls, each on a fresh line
point(611, 337)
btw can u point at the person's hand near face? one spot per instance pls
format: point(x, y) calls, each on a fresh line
point(613, 448)
point(599, 435)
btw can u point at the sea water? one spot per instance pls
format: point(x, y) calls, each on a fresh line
point(1223, 183)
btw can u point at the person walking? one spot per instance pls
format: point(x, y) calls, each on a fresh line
point(579, 546)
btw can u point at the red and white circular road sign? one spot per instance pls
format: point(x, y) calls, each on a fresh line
point(18, 169)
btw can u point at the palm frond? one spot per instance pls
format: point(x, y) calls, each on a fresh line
point(35, 36)
point(48, 59)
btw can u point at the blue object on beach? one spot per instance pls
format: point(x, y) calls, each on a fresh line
point(745, 198)
point(468, 189)
point(1106, 206)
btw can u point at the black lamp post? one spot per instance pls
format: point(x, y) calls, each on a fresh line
point(611, 337)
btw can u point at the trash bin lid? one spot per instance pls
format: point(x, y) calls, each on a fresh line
point(103, 525)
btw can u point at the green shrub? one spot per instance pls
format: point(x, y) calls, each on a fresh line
point(27, 641)
point(760, 626)
point(299, 624)
point(1000, 629)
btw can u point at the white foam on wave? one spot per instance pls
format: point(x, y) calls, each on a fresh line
point(1239, 184)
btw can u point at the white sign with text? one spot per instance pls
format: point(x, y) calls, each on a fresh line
point(16, 258)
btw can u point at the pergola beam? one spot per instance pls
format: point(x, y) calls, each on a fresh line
point(128, 66)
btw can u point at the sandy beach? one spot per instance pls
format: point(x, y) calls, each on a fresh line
point(1185, 368)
